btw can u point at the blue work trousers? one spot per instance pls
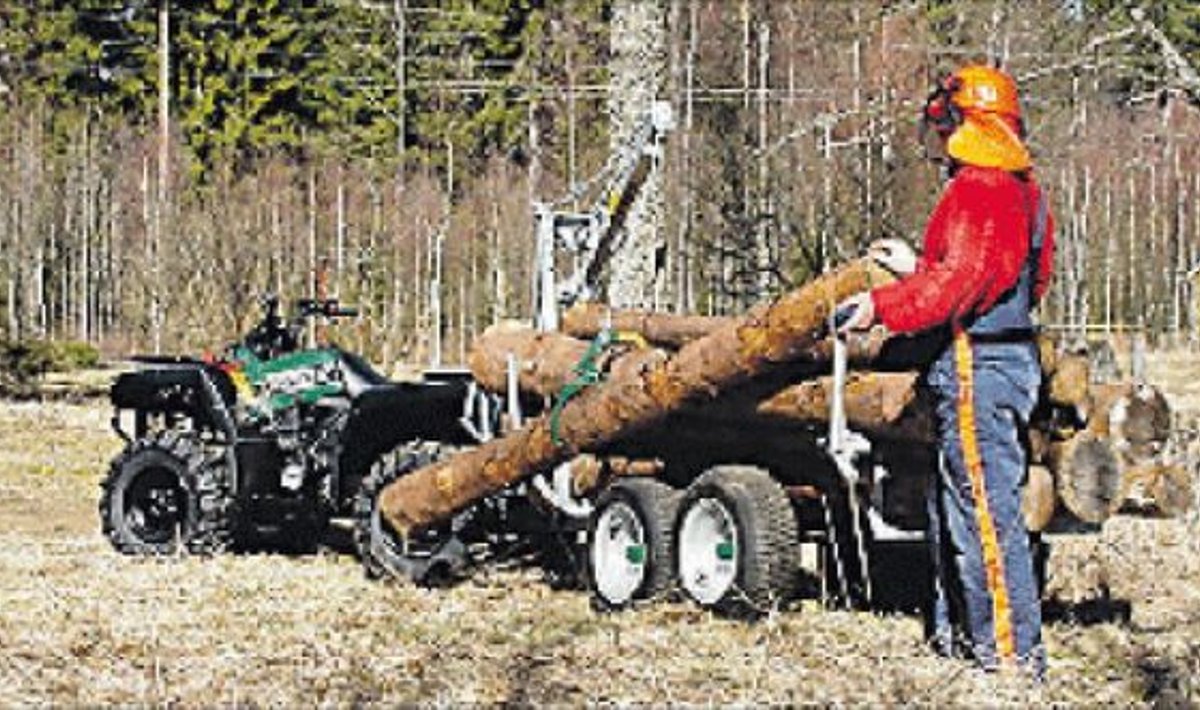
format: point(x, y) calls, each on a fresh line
point(984, 590)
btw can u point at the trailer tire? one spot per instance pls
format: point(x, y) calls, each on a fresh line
point(736, 542)
point(630, 543)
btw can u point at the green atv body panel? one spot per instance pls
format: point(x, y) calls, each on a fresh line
point(259, 372)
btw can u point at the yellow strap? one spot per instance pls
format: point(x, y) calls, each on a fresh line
point(631, 337)
point(992, 559)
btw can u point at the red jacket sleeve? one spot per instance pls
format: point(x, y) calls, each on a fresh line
point(974, 248)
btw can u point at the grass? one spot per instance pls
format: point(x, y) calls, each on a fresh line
point(80, 624)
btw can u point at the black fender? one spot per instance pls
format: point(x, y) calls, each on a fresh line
point(176, 388)
point(381, 418)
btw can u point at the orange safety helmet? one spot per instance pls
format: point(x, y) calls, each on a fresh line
point(977, 112)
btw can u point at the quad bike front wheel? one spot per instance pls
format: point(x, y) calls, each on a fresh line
point(146, 507)
point(161, 496)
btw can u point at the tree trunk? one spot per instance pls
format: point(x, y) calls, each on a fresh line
point(668, 330)
point(637, 66)
point(772, 333)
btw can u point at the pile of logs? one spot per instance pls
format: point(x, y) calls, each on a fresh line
point(641, 389)
point(1093, 447)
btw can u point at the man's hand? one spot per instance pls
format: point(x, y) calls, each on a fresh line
point(895, 255)
point(855, 313)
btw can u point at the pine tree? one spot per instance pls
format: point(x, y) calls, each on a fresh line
point(349, 93)
point(239, 68)
point(466, 88)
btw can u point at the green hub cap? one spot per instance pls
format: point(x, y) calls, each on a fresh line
point(636, 554)
point(725, 550)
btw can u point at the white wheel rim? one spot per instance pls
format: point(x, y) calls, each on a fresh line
point(708, 551)
point(618, 553)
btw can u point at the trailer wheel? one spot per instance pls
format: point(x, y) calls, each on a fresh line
point(630, 543)
point(736, 541)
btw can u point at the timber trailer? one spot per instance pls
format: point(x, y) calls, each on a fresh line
point(727, 493)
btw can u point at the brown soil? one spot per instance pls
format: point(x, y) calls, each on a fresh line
point(80, 624)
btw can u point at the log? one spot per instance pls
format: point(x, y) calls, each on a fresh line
point(1068, 383)
point(1088, 475)
point(1132, 422)
point(544, 360)
point(772, 333)
point(1135, 418)
point(1162, 490)
point(1038, 498)
point(1047, 354)
point(669, 330)
point(884, 403)
point(547, 361)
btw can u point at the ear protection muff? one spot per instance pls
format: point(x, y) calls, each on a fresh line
point(940, 112)
point(942, 116)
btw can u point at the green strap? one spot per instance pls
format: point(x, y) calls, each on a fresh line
point(587, 373)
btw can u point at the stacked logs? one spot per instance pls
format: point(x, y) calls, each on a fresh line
point(641, 390)
point(1115, 453)
point(1094, 447)
point(1087, 446)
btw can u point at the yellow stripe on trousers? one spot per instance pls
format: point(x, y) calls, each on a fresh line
point(993, 561)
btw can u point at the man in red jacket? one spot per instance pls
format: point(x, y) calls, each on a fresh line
point(986, 262)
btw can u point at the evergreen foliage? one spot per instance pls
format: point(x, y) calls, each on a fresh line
point(311, 135)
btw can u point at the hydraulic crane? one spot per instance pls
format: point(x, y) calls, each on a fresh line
point(587, 238)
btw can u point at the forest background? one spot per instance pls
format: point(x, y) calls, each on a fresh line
point(154, 183)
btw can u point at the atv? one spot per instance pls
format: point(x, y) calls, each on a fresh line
point(267, 443)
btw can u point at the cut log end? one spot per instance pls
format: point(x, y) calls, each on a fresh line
point(1089, 477)
point(1157, 490)
point(1038, 499)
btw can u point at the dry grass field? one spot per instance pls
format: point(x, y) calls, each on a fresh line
point(80, 624)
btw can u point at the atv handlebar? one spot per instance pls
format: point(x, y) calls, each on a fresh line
point(329, 308)
point(273, 336)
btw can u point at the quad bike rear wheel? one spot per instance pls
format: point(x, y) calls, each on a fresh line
point(429, 557)
point(161, 496)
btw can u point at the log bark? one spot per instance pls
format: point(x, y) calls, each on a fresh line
point(884, 403)
point(668, 330)
point(772, 333)
point(544, 360)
